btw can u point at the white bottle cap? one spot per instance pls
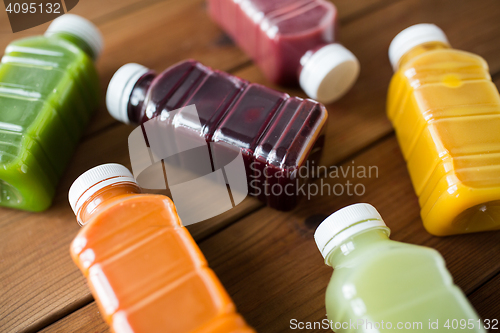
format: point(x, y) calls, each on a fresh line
point(120, 88)
point(344, 223)
point(79, 27)
point(410, 37)
point(95, 179)
point(329, 73)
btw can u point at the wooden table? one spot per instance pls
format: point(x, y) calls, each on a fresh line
point(266, 259)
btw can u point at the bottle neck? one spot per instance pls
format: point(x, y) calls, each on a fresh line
point(356, 245)
point(77, 42)
point(307, 56)
point(135, 110)
point(97, 201)
point(420, 49)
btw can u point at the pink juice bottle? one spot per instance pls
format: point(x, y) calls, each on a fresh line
point(291, 41)
point(276, 134)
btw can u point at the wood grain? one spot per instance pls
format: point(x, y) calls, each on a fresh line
point(39, 281)
point(175, 30)
point(94, 10)
point(156, 34)
point(56, 296)
point(267, 260)
point(157, 37)
point(349, 10)
point(362, 110)
point(485, 300)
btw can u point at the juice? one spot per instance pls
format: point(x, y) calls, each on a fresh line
point(143, 267)
point(48, 91)
point(446, 112)
point(276, 133)
point(291, 41)
point(379, 284)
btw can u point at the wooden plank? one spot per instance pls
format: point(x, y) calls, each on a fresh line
point(117, 33)
point(95, 10)
point(39, 282)
point(478, 253)
point(362, 110)
point(472, 259)
point(177, 30)
point(19, 279)
point(84, 320)
point(157, 34)
point(486, 300)
point(166, 26)
point(269, 262)
point(266, 252)
point(348, 9)
point(270, 265)
point(370, 40)
point(204, 43)
point(356, 121)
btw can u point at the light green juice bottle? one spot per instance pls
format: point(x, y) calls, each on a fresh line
point(380, 285)
point(48, 91)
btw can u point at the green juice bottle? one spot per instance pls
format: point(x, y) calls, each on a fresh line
point(383, 285)
point(48, 91)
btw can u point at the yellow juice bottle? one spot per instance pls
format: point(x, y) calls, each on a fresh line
point(446, 113)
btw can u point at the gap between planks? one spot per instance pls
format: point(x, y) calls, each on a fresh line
point(377, 5)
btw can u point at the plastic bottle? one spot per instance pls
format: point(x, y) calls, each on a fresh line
point(378, 284)
point(446, 112)
point(143, 267)
point(276, 133)
point(291, 41)
point(48, 91)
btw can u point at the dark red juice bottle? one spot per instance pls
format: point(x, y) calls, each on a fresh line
point(291, 41)
point(275, 133)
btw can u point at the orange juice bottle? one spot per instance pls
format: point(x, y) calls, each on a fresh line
point(143, 267)
point(446, 112)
